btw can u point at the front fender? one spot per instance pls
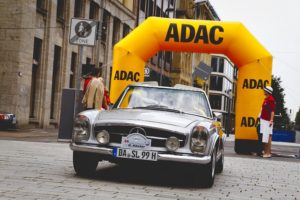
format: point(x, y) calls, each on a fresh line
point(92, 116)
point(213, 142)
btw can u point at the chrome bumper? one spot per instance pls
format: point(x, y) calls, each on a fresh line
point(161, 157)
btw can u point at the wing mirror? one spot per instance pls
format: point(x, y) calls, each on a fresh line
point(217, 116)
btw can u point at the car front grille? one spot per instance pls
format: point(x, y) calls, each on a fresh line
point(158, 136)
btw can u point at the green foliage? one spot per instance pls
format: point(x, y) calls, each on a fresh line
point(282, 122)
point(297, 120)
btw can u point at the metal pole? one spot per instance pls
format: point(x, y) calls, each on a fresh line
point(99, 32)
point(161, 67)
point(78, 81)
point(229, 108)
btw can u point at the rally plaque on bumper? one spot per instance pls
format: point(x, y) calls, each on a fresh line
point(135, 146)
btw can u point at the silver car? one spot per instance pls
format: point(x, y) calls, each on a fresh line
point(152, 124)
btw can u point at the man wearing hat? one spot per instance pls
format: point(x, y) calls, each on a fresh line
point(266, 120)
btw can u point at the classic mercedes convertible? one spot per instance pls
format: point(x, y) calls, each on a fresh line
point(150, 123)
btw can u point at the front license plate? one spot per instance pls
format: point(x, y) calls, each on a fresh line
point(135, 154)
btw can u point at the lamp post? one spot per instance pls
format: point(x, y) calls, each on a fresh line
point(228, 125)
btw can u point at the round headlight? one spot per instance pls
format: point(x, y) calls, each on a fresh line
point(81, 128)
point(199, 140)
point(172, 143)
point(102, 137)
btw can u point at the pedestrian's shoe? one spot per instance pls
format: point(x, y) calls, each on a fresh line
point(267, 156)
point(259, 154)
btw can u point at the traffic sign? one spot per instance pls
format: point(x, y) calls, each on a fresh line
point(83, 32)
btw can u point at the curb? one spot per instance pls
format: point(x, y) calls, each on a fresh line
point(231, 139)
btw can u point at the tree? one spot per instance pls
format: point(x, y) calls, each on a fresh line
point(282, 120)
point(297, 120)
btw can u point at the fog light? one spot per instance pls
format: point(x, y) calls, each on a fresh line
point(172, 143)
point(103, 137)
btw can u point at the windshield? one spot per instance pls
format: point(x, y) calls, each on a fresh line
point(176, 100)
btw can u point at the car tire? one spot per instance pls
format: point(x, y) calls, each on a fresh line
point(220, 163)
point(207, 176)
point(84, 164)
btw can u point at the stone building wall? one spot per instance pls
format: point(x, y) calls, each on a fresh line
point(20, 24)
point(16, 33)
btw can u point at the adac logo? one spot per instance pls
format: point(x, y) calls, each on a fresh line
point(249, 121)
point(127, 76)
point(189, 34)
point(255, 84)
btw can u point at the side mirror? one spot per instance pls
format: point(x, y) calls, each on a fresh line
point(218, 116)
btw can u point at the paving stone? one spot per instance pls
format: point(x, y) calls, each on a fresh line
point(35, 170)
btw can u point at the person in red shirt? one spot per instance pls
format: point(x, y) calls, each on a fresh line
point(266, 120)
point(96, 74)
point(86, 82)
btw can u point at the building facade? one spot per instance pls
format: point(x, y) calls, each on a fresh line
point(170, 68)
point(37, 60)
point(222, 89)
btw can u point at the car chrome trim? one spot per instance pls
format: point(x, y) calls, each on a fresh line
point(161, 156)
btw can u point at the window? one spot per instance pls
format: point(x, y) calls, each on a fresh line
point(116, 31)
point(216, 83)
point(78, 8)
point(150, 8)
point(105, 24)
point(142, 5)
point(126, 29)
point(235, 73)
point(214, 63)
point(94, 10)
point(157, 12)
point(217, 64)
point(72, 70)
point(128, 4)
point(172, 2)
point(37, 52)
point(168, 56)
point(160, 59)
point(215, 101)
point(221, 65)
point(41, 6)
point(88, 60)
point(168, 60)
point(60, 10)
point(55, 78)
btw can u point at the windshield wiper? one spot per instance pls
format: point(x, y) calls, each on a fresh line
point(158, 107)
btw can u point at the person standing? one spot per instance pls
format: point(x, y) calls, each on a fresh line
point(266, 120)
point(94, 93)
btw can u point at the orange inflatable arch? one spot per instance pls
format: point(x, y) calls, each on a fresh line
point(232, 39)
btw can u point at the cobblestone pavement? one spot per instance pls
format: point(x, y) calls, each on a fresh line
point(280, 149)
point(39, 170)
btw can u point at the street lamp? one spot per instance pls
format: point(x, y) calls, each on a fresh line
point(228, 125)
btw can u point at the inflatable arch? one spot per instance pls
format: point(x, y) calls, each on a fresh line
point(232, 39)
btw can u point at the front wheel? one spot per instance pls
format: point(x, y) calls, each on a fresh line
point(207, 176)
point(220, 162)
point(84, 164)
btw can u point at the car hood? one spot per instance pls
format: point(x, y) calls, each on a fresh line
point(161, 117)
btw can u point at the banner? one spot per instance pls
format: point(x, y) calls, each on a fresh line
point(232, 39)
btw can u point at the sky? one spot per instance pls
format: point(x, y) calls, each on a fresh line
point(275, 24)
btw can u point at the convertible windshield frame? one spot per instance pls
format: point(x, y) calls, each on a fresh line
point(194, 102)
